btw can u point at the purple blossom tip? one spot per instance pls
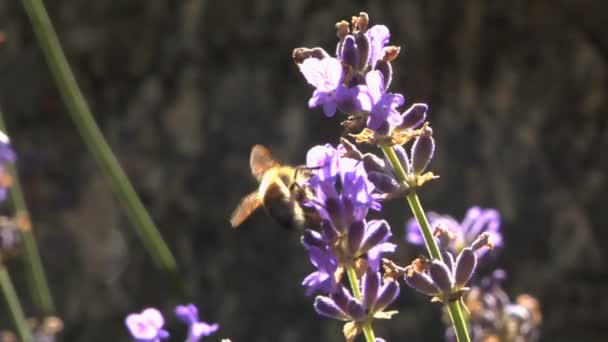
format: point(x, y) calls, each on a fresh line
point(196, 329)
point(146, 326)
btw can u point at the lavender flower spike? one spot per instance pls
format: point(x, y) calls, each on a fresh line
point(146, 326)
point(196, 329)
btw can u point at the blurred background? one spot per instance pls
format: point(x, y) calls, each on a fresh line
point(183, 89)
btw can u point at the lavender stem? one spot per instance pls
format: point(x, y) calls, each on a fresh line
point(458, 321)
point(368, 331)
point(13, 304)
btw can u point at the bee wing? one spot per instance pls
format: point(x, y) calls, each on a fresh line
point(260, 161)
point(246, 207)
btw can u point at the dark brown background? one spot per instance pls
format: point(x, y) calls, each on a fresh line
point(182, 89)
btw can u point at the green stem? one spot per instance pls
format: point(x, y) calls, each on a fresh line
point(368, 331)
point(13, 305)
point(85, 123)
point(458, 321)
point(37, 281)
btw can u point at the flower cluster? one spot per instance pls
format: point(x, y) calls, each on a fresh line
point(356, 81)
point(147, 326)
point(347, 184)
point(347, 241)
point(494, 317)
point(476, 221)
point(445, 280)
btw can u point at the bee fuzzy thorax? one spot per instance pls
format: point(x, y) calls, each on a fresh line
point(279, 191)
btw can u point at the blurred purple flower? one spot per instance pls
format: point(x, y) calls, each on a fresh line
point(7, 155)
point(476, 222)
point(196, 329)
point(146, 326)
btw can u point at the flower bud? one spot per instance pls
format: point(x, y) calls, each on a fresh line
point(383, 182)
point(378, 231)
point(465, 266)
point(371, 285)
point(372, 162)
point(414, 116)
point(422, 153)
point(327, 307)
point(441, 276)
point(363, 44)
point(350, 52)
point(420, 282)
point(388, 294)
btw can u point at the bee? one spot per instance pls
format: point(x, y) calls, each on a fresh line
point(280, 191)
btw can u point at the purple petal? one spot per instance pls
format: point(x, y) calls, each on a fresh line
point(465, 266)
point(414, 116)
point(200, 329)
point(422, 153)
point(385, 111)
point(313, 238)
point(378, 231)
point(353, 100)
point(421, 282)
point(374, 254)
point(375, 85)
point(441, 275)
point(324, 74)
point(383, 182)
point(139, 327)
point(414, 235)
point(325, 306)
point(356, 310)
point(350, 52)
point(154, 317)
point(187, 313)
point(388, 293)
point(371, 284)
point(378, 36)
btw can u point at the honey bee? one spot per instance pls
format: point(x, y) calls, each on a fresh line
point(280, 191)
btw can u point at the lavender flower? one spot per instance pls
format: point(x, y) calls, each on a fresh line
point(477, 221)
point(356, 80)
point(383, 114)
point(324, 278)
point(341, 305)
point(7, 155)
point(147, 326)
point(445, 280)
point(196, 329)
point(494, 317)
